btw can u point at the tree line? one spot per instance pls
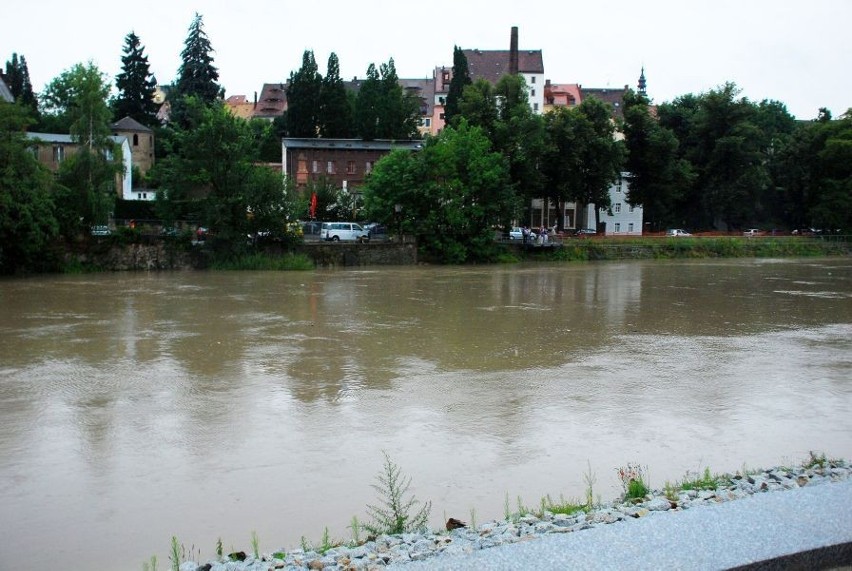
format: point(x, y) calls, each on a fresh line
point(714, 160)
point(710, 161)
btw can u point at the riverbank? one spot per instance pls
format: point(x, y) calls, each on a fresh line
point(526, 525)
point(112, 254)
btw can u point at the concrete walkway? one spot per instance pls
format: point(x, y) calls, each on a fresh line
point(805, 528)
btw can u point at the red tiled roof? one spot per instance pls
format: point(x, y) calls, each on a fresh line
point(272, 101)
point(608, 95)
point(494, 64)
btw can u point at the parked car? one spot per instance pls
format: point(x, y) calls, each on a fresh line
point(100, 230)
point(336, 231)
point(311, 229)
point(585, 232)
point(752, 232)
point(378, 232)
point(677, 232)
point(516, 234)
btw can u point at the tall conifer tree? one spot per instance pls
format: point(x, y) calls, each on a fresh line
point(461, 79)
point(335, 119)
point(135, 85)
point(197, 75)
point(303, 98)
point(18, 77)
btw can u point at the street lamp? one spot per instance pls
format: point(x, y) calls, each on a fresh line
point(397, 213)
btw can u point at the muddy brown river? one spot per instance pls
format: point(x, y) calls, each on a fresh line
point(211, 405)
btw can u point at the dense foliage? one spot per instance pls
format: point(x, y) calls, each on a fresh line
point(450, 194)
point(212, 165)
point(28, 224)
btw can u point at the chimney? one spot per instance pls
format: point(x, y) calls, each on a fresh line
point(513, 52)
point(255, 99)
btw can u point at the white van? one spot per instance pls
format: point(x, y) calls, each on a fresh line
point(343, 231)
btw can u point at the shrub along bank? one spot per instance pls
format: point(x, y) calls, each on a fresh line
point(670, 248)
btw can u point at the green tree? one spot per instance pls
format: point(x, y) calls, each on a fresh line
point(399, 113)
point(817, 178)
point(584, 159)
point(135, 85)
point(460, 80)
point(451, 194)
point(78, 98)
point(657, 176)
point(18, 79)
point(303, 99)
point(28, 224)
point(479, 107)
point(197, 76)
point(335, 113)
point(726, 148)
point(213, 169)
point(368, 104)
point(519, 135)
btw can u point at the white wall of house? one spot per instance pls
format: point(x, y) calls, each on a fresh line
point(126, 158)
point(535, 90)
point(625, 220)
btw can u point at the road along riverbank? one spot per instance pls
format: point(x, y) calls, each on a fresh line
point(770, 530)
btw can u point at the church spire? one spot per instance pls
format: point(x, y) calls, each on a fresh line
point(642, 82)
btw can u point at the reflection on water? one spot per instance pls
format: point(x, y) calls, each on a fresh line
point(206, 405)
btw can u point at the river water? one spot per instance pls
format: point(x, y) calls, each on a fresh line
point(203, 405)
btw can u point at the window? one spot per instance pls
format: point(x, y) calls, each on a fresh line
point(368, 167)
point(532, 80)
point(350, 167)
point(630, 227)
point(618, 185)
point(442, 116)
point(617, 227)
point(535, 106)
point(631, 208)
point(616, 208)
point(314, 166)
point(58, 153)
point(329, 167)
point(427, 122)
point(135, 140)
point(532, 93)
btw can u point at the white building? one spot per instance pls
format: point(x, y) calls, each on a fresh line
point(621, 219)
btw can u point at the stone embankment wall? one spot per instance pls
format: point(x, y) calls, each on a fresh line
point(140, 257)
point(343, 254)
point(167, 256)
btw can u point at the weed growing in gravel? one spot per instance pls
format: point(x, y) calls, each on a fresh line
point(279, 555)
point(472, 518)
point(395, 514)
point(325, 543)
point(634, 481)
point(694, 481)
point(150, 565)
point(255, 545)
point(507, 511)
point(563, 506)
point(219, 549)
point(589, 478)
point(815, 460)
point(174, 556)
point(355, 526)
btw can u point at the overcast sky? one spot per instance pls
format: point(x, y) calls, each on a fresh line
point(799, 53)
